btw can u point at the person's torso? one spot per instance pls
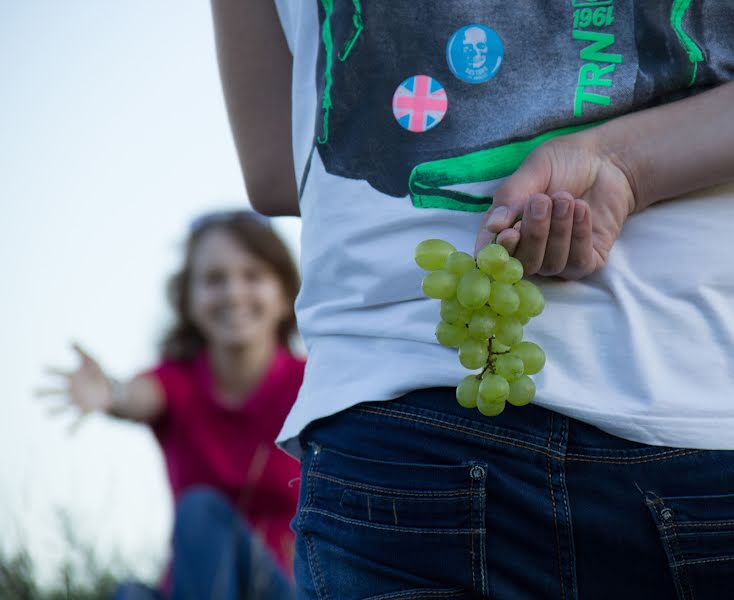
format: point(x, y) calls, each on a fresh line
point(405, 119)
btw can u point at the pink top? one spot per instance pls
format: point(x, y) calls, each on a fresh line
point(231, 449)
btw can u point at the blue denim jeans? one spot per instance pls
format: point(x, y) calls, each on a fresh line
point(420, 498)
point(215, 556)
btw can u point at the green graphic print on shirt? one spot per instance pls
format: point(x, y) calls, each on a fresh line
point(419, 97)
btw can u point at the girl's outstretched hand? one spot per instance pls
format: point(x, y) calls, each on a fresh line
point(573, 200)
point(87, 388)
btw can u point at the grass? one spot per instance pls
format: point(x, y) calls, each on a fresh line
point(79, 577)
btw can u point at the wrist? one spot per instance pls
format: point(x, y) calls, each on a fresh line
point(621, 153)
point(116, 396)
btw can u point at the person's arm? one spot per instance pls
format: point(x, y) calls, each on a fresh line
point(575, 192)
point(89, 389)
point(676, 148)
point(255, 67)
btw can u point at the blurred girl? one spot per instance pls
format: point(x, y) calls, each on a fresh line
point(215, 403)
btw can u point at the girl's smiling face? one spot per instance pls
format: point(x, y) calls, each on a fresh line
point(236, 299)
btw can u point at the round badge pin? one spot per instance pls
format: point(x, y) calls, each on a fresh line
point(475, 53)
point(419, 103)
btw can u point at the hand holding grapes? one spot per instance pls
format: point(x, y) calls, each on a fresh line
point(573, 198)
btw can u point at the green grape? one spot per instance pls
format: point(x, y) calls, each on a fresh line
point(493, 388)
point(453, 312)
point(482, 323)
point(509, 272)
point(491, 257)
point(440, 285)
point(459, 263)
point(473, 354)
point(503, 299)
point(531, 355)
point(431, 254)
point(490, 409)
point(473, 289)
point(522, 391)
point(509, 366)
point(531, 299)
point(467, 391)
point(498, 347)
point(509, 331)
point(523, 319)
point(449, 334)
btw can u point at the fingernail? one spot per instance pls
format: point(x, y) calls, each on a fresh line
point(539, 208)
point(497, 215)
point(560, 208)
point(578, 213)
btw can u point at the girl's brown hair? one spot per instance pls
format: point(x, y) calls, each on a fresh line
point(183, 340)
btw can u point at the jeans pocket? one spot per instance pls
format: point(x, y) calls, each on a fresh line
point(697, 533)
point(373, 529)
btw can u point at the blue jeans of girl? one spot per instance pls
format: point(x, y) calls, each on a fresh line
point(420, 498)
point(215, 556)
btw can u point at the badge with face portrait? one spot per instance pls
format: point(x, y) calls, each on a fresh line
point(474, 53)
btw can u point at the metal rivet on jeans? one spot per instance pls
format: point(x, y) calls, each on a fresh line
point(477, 472)
point(667, 514)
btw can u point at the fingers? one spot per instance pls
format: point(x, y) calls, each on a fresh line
point(57, 371)
point(535, 231)
point(559, 237)
point(44, 392)
point(76, 424)
point(580, 260)
point(511, 198)
point(553, 238)
point(81, 352)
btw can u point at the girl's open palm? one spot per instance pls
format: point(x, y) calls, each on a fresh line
point(87, 387)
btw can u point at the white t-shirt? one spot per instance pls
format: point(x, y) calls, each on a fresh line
point(642, 349)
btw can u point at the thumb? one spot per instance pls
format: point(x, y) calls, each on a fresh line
point(531, 177)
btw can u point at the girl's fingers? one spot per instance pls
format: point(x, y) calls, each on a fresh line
point(83, 353)
point(55, 411)
point(536, 222)
point(75, 424)
point(581, 253)
point(59, 372)
point(43, 392)
point(559, 236)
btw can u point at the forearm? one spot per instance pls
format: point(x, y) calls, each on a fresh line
point(676, 148)
point(137, 400)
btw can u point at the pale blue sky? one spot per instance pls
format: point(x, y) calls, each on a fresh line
point(114, 135)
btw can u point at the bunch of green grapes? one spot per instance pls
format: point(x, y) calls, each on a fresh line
point(484, 306)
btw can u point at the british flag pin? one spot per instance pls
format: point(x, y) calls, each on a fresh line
point(419, 103)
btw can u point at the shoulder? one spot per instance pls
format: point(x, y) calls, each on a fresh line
point(175, 377)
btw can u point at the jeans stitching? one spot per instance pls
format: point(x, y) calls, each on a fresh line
point(314, 565)
point(417, 594)
point(388, 491)
point(460, 429)
point(683, 524)
point(683, 570)
point(668, 454)
point(471, 538)
point(399, 529)
point(483, 534)
point(624, 461)
point(553, 503)
point(568, 522)
point(696, 561)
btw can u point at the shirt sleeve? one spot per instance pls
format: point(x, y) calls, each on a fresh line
point(170, 377)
